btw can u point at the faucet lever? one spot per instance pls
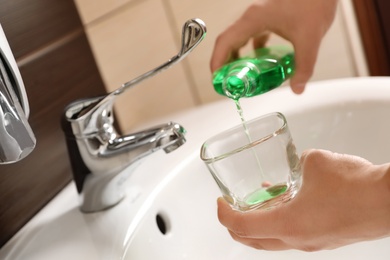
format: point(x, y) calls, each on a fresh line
point(193, 32)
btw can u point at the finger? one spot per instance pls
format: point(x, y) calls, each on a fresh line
point(307, 153)
point(226, 46)
point(260, 40)
point(306, 51)
point(253, 224)
point(263, 244)
point(235, 37)
point(312, 158)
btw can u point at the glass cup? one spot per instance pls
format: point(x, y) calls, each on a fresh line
point(255, 164)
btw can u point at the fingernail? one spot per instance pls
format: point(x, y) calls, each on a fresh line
point(299, 88)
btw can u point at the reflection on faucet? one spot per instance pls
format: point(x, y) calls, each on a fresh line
point(17, 140)
point(99, 156)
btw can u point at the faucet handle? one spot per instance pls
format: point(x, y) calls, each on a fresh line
point(193, 32)
point(88, 116)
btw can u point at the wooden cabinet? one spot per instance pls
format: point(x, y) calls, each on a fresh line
point(374, 23)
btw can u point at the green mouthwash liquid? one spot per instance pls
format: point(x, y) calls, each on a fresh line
point(264, 194)
point(255, 74)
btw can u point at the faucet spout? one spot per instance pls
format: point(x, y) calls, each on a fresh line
point(168, 137)
point(99, 155)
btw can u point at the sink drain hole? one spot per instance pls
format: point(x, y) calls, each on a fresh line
point(162, 223)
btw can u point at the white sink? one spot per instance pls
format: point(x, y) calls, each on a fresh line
point(346, 116)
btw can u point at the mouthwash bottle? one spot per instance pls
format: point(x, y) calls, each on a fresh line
point(255, 74)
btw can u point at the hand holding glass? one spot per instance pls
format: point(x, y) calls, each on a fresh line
point(255, 164)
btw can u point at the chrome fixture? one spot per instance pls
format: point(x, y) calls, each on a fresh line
point(17, 140)
point(99, 155)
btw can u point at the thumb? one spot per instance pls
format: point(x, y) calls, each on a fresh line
point(306, 52)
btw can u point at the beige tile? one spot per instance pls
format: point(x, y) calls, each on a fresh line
point(335, 59)
point(90, 10)
point(135, 40)
point(217, 14)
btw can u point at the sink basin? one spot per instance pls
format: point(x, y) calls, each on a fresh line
point(170, 208)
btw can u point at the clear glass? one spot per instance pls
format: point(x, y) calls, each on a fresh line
point(255, 164)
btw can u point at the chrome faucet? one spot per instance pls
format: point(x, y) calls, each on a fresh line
point(99, 155)
point(17, 140)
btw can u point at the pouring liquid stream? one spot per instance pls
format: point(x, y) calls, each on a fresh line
point(243, 121)
point(267, 190)
point(249, 76)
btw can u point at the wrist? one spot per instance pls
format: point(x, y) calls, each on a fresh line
point(387, 183)
point(385, 189)
point(376, 209)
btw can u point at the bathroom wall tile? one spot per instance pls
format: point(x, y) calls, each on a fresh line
point(135, 40)
point(217, 15)
point(91, 10)
point(335, 58)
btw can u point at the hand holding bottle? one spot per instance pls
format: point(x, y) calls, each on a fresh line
point(302, 22)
